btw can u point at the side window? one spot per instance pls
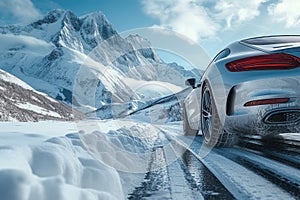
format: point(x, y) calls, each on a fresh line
point(224, 53)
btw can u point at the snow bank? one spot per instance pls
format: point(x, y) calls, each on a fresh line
point(59, 168)
point(125, 145)
point(123, 148)
point(106, 160)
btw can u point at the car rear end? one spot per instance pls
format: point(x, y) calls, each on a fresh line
point(261, 78)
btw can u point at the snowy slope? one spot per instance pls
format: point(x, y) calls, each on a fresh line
point(83, 60)
point(20, 102)
point(155, 110)
point(162, 110)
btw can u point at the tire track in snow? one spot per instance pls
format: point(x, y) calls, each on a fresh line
point(156, 184)
point(180, 185)
point(243, 173)
point(279, 151)
point(238, 179)
point(286, 177)
point(195, 181)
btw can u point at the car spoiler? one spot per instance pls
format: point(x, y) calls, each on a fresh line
point(275, 48)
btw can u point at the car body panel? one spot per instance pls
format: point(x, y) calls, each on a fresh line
point(193, 108)
point(231, 90)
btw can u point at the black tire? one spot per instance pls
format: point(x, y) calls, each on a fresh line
point(212, 129)
point(273, 141)
point(187, 130)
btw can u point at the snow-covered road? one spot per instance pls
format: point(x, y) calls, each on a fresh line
point(119, 159)
point(243, 172)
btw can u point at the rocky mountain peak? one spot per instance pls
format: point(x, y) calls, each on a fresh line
point(96, 28)
point(143, 46)
point(70, 19)
point(51, 17)
point(83, 33)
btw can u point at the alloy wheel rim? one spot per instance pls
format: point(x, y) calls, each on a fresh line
point(206, 115)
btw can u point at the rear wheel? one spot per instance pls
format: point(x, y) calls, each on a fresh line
point(187, 130)
point(211, 126)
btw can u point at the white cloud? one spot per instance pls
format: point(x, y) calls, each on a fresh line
point(22, 11)
point(286, 11)
point(199, 19)
point(236, 11)
point(183, 16)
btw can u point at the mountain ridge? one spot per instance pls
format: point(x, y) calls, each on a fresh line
point(84, 61)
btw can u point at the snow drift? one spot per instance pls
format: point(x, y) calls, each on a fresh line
point(53, 168)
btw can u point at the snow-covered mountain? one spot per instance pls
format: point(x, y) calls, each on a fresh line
point(20, 102)
point(83, 60)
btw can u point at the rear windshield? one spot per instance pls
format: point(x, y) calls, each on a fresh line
point(273, 40)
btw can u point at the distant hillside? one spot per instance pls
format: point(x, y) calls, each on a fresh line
point(20, 102)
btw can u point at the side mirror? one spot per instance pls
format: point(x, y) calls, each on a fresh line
point(190, 82)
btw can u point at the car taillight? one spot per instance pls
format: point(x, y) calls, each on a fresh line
point(278, 61)
point(267, 101)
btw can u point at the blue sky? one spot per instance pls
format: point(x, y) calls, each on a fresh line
point(210, 23)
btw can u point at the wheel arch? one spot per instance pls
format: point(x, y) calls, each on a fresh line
point(219, 107)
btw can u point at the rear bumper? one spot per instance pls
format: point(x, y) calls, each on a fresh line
point(264, 119)
point(255, 123)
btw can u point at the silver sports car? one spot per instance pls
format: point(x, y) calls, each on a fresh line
point(250, 87)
